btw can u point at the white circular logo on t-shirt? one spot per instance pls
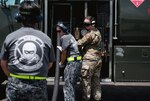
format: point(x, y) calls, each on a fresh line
point(28, 53)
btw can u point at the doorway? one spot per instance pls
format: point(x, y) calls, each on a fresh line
point(73, 13)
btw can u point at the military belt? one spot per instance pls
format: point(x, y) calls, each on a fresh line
point(29, 77)
point(74, 58)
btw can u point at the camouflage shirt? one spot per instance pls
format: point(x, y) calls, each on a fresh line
point(91, 45)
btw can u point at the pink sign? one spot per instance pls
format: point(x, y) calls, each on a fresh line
point(148, 10)
point(137, 3)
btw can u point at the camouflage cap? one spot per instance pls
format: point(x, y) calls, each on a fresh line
point(89, 20)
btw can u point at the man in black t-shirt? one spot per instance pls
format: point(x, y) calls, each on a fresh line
point(26, 56)
point(69, 52)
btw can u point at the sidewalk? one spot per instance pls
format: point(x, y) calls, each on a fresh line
point(120, 91)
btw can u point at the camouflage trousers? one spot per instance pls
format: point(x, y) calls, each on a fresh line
point(71, 76)
point(26, 90)
point(90, 73)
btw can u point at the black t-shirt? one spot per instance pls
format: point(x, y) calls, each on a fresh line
point(28, 52)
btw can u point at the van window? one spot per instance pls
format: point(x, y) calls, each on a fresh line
point(11, 2)
point(7, 2)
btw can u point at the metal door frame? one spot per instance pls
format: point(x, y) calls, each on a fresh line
point(52, 19)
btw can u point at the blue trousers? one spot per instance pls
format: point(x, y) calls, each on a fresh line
point(26, 90)
point(71, 76)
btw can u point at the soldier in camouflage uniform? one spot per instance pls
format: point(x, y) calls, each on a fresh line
point(69, 52)
point(92, 61)
point(26, 56)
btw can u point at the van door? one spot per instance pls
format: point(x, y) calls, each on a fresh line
point(73, 13)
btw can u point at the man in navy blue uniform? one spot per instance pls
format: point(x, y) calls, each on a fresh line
point(26, 57)
point(69, 52)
